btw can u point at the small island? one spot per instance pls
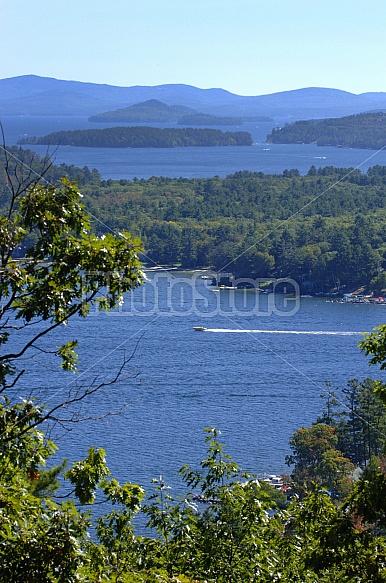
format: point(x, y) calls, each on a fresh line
point(151, 111)
point(155, 111)
point(363, 130)
point(142, 137)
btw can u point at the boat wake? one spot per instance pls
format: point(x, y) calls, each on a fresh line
point(306, 332)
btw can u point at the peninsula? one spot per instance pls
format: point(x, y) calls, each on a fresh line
point(364, 130)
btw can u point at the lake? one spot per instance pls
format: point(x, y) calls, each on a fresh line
point(129, 163)
point(257, 387)
point(258, 375)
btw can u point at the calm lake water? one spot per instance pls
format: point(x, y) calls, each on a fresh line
point(258, 375)
point(257, 387)
point(128, 163)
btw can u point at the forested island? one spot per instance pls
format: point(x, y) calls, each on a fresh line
point(155, 111)
point(143, 137)
point(150, 111)
point(364, 130)
point(335, 238)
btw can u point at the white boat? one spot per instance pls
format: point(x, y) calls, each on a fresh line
point(275, 481)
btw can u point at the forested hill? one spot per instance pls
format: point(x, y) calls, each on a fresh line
point(365, 130)
point(324, 230)
point(151, 111)
point(154, 111)
point(143, 137)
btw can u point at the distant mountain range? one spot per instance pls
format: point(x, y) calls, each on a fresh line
point(33, 95)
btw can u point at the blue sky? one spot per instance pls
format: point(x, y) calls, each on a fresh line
point(249, 47)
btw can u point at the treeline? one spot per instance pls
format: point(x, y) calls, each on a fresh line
point(143, 137)
point(342, 441)
point(364, 130)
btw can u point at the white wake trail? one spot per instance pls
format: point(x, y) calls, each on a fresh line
point(306, 332)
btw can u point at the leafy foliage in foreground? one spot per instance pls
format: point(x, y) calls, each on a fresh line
point(220, 529)
point(63, 270)
point(348, 435)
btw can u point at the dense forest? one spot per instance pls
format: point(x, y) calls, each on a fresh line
point(325, 229)
point(364, 130)
point(143, 137)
